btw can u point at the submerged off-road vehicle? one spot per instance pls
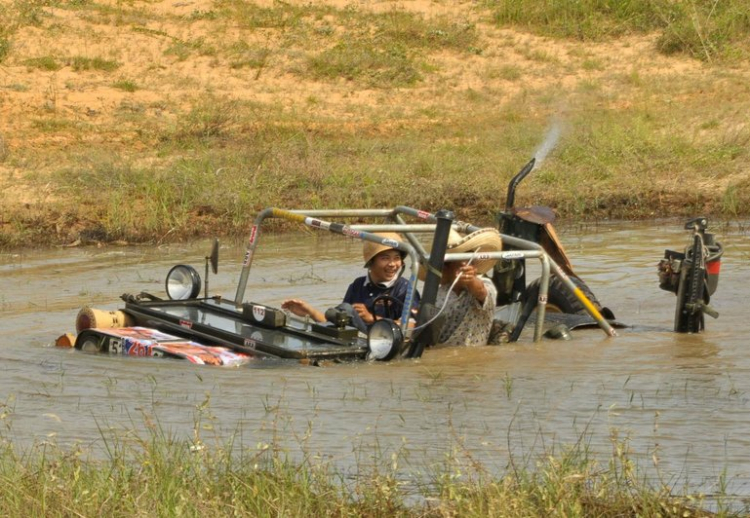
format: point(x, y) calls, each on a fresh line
point(218, 330)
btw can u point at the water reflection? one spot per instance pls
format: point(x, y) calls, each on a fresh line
point(681, 400)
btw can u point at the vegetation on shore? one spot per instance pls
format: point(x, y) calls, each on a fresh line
point(649, 99)
point(157, 474)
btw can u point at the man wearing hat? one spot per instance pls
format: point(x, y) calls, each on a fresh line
point(470, 295)
point(384, 268)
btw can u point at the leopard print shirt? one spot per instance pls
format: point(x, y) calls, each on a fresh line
point(467, 322)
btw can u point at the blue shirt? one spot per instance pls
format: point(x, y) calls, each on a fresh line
point(362, 291)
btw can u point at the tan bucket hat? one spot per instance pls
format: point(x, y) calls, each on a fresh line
point(371, 249)
point(484, 240)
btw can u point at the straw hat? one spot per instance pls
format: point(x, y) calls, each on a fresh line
point(371, 249)
point(484, 240)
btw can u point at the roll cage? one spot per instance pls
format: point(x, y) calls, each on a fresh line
point(411, 222)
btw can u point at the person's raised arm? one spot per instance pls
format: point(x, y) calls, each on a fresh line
point(471, 282)
point(303, 309)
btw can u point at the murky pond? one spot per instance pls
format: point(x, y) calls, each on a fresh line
point(680, 402)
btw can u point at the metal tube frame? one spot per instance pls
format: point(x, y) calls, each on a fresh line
point(415, 250)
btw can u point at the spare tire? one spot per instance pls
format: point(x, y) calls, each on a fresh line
point(561, 300)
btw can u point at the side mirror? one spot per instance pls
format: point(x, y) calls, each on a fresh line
point(214, 257)
point(213, 260)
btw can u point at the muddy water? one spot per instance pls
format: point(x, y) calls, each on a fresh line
point(680, 403)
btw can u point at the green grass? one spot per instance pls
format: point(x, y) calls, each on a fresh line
point(5, 46)
point(82, 64)
point(585, 20)
point(705, 29)
point(362, 61)
point(127, 85)
point(155, 473)
point(77, 63)
point(52, 125)
point(244, 55)
point(387, 53)
point(510, 73)
point(3, 149)
point(416, 31)
point(248, 15)
point(47, 63)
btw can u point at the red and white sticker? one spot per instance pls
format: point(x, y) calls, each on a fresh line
point(313, 222)
point(348, 231)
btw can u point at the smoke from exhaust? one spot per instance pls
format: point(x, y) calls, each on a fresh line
point(550, 141)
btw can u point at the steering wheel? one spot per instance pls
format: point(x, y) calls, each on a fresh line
point(393, 306)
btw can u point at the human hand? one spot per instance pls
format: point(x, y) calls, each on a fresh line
point(298, 307)
point(469, 280)
point(467, 275)
point(364, 313)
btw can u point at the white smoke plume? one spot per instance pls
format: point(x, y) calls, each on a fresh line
point(550, 141)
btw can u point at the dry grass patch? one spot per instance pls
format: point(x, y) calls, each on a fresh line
point(333, 105)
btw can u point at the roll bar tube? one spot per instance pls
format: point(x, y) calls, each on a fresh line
point(337, 228)
point(530, 245)
point(300, 216)
point(544, 259)
point(415, 250)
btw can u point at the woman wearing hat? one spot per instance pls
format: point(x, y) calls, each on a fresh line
point(384, 268)
point(470, 295)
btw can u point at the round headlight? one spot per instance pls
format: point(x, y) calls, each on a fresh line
point(384, 340)
point(183, 282)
